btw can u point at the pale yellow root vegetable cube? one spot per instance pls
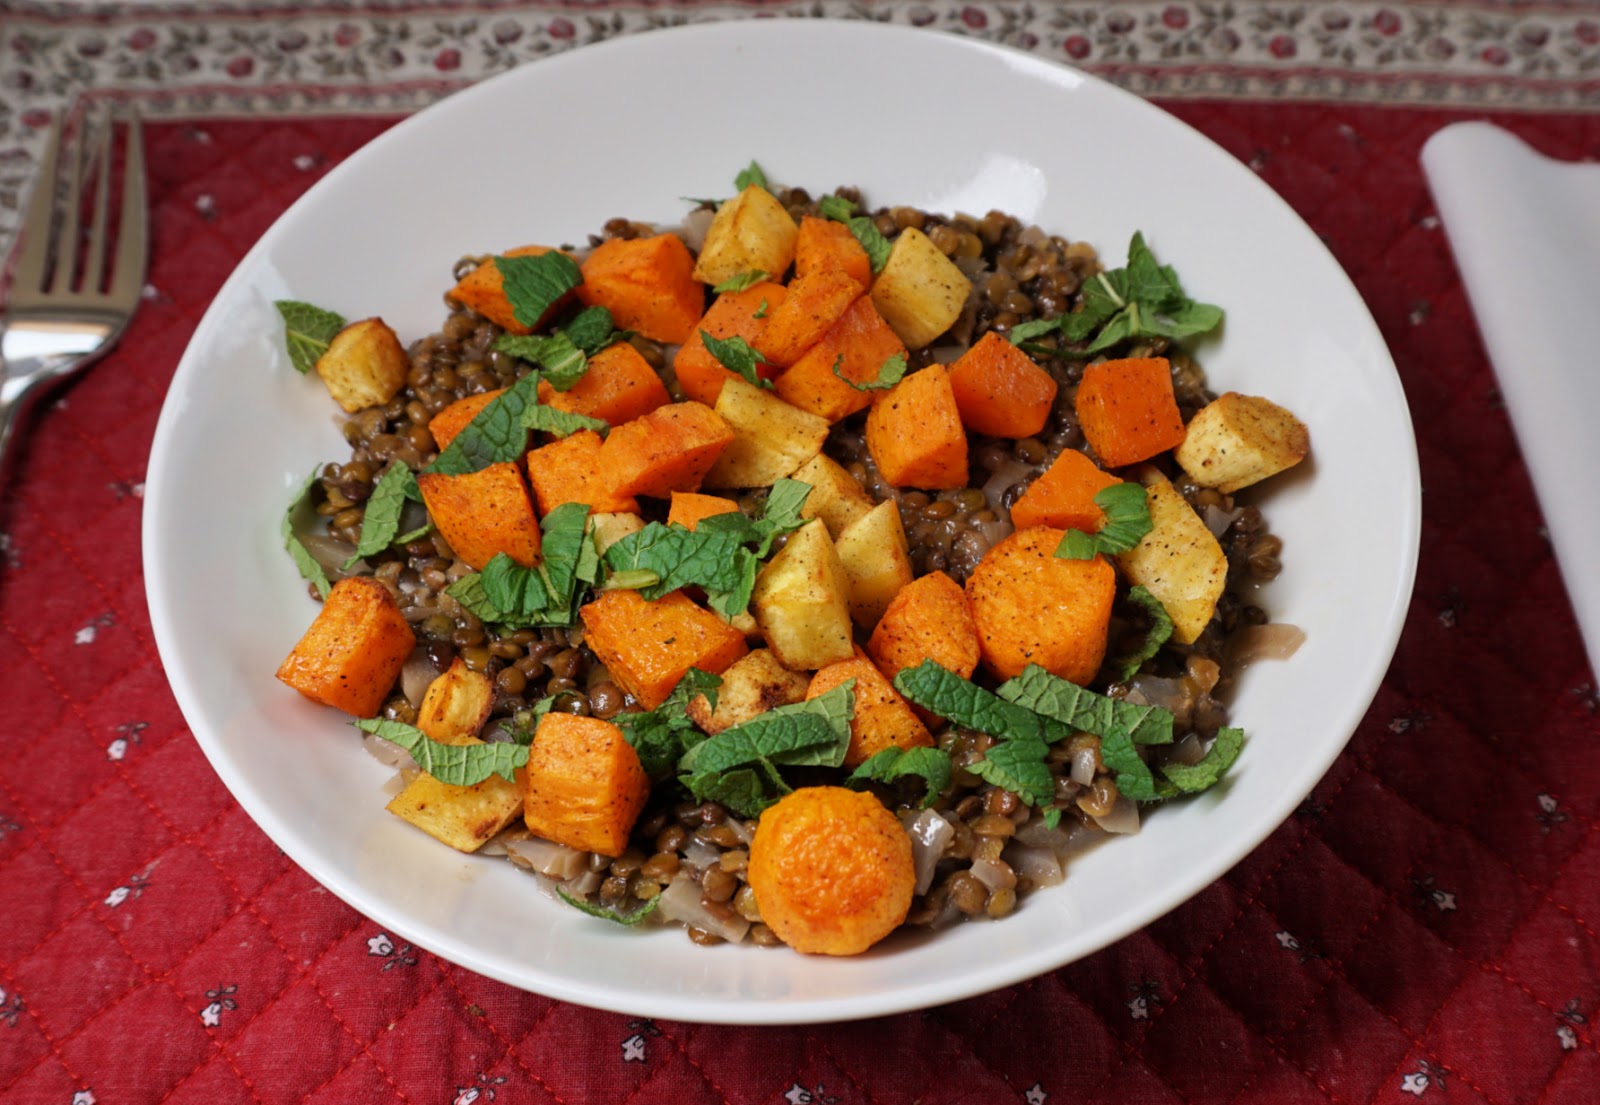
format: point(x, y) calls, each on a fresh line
point(456, 705)
point(1179, 561)
point(610, 528)
point(751, 231)
point(801, 601)
point(920, 291)
point(876, 563)
point(835, 496)
point(1237, 440)
point(364, 365)
point(745, 622)
point(754, 684)
point(770, 438)
point(462, 817)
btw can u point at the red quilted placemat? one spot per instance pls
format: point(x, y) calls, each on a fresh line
point(1421, 930)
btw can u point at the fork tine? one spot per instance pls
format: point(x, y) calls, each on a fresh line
point(95, 257)
point(67, 236)
point(34, 256)
point(127, 278)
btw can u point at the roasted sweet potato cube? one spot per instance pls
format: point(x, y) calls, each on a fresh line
point(1128, 410)
point(835, 495)
point(752, 231)
point(449, 422)
point(733, 315)
point(815, 302)
point(824, 244)
point(928, 620)
point(483, 513)
point(463, 817)
point(670, 449)
point(920, 291)
point(648, 285)
point(1237, 440)
point(1000, 391)
point(618, 387)
point(568, 471)
point(752, 685)
point(802, 601)
point(882, 719)
point(914, 433)
point(354, 650)
point(364, 365)
point(647, 646)
point(456, 704)
point(584, 784)
point(483, 290)
point(770, 438)
point(688, 508)
point(1063, 496)
point(865, 342)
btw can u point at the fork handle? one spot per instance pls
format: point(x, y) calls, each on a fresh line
point(18, 393)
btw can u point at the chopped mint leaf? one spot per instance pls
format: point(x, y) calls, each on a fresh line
point(516, 591)
point(631, 579)
point(1157, 635)
point(865, 230)
point(781, 512)
point(591, 330)
point(606, 913)
point(836, 208)
point(563, 362)
point(459, 765)
point(889, 374)
point(812, 733)
point(742, 281)
point(658, 735)
point(945, 693)
point(495, 435)
point(1193, 778)
point(299, 517)
point(505, 593)
point(1027, 331)
point(1081, 710)
point(744, 790)
point(559, 423)
point(1121, 755)
point(701, 201)
point(931, 765)
point(468, 591)
point(737, 356)
point(415, 535)
point(751, 175)
point(534, 284)
point(307, 330)
point(761, 311)
point(381, 518)
point(1018, 766)
point(1127, 521)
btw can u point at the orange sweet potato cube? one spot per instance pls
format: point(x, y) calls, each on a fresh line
point(824, 245)
point(618, 387)
point(584, 785)
point(483, 290)
point(914, 433)
point(733, 315)
point(568, 471)
point(483, 513)
point(864, 340)
point(1000, 391)
point(928, 620)
point(882, 719)
point(647, 284)
point(670, 449)
point(354, 650)
point(449, 422)
point(815, 302)
point(688, 508)
point(647, 646)
point(1128, 410)
point(1063, 496)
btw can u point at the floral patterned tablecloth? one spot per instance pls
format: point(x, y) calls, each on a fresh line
point(1423, 929)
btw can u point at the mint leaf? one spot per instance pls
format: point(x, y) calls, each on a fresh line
point(505, 593)
point(307, 330)
point(866, 231)
point(301, 516)
point(1193, 778)
point(781, 512)
point(591, 330)
point(1120, 754)
point(1027, 331)
point(745, 790)
point(496, 435)
point(563, 362)
point(549, 420)
point(741, 282)
point(1127, 521)
point(459, 765)
point(606, 913)
point(889, 374)
point(380, 521)
point(836, 208)
point(752, 174)
point(945, 693)
point(1157, 635)
point(813, 733)
point(415, 535)
point(1018, 766)
point(737, 356)
point(534, 284)
point(517, 592)
point(1081, 710)
point(761, 310)
point(931, 765)
point(659, 735)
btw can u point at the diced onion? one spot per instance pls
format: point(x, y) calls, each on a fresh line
point(1034, 833)
point(1123, 818)
point(416, 676)
point(1276, 641)
point(680, 901)
point(1083, 765)
point(331, 554)
point(1188, 751)
point(1218, 520)
point(701, 855)
point(387, 753)
point(584, 885)
point(1041, 866)
point(548, 858)
point(695, 225)
point(994, 875)
point(1156, 690)
point(930, 836)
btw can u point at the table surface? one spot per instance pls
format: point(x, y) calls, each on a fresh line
point(1423, 929)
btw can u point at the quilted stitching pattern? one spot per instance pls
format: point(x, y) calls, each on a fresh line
point(1423, 929)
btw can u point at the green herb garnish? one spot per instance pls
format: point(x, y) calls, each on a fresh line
point(931, 765)
point(945, 693)
point(534, 284)
point(1192, 778)
point(507, 594)
point(1157, 635)
point(606, 913)
point(496, 435)
point(749, 175)
point(1127, 521)
point(300, 516)
point(559, 423)
point(1019, 766)
point(737, 356)
point(761, 311)
point(1078, 709)
point(661, 736)
point(865, 230)
point(459, 765)
point(889, 374)
point(564, 355)
point(741, 282)
point(307, 331)
point(380, 520)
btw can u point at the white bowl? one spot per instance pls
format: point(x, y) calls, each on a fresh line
point(548, 153)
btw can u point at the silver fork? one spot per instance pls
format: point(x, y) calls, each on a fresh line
point(58, 319)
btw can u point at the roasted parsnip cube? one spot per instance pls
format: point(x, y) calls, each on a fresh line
point(462, 817)
point(751, 231)
point(920, 291)
point(364, 365)
point(770, 438)
point(835, 496)
point(754, 684)
point(608, 529)
point(1179, 561)
point(1237, 440)
point(801, 601)
point(876, 563)
point(456, 704)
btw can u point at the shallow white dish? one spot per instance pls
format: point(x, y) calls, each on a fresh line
point(624, 129)
point(1509, 209)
